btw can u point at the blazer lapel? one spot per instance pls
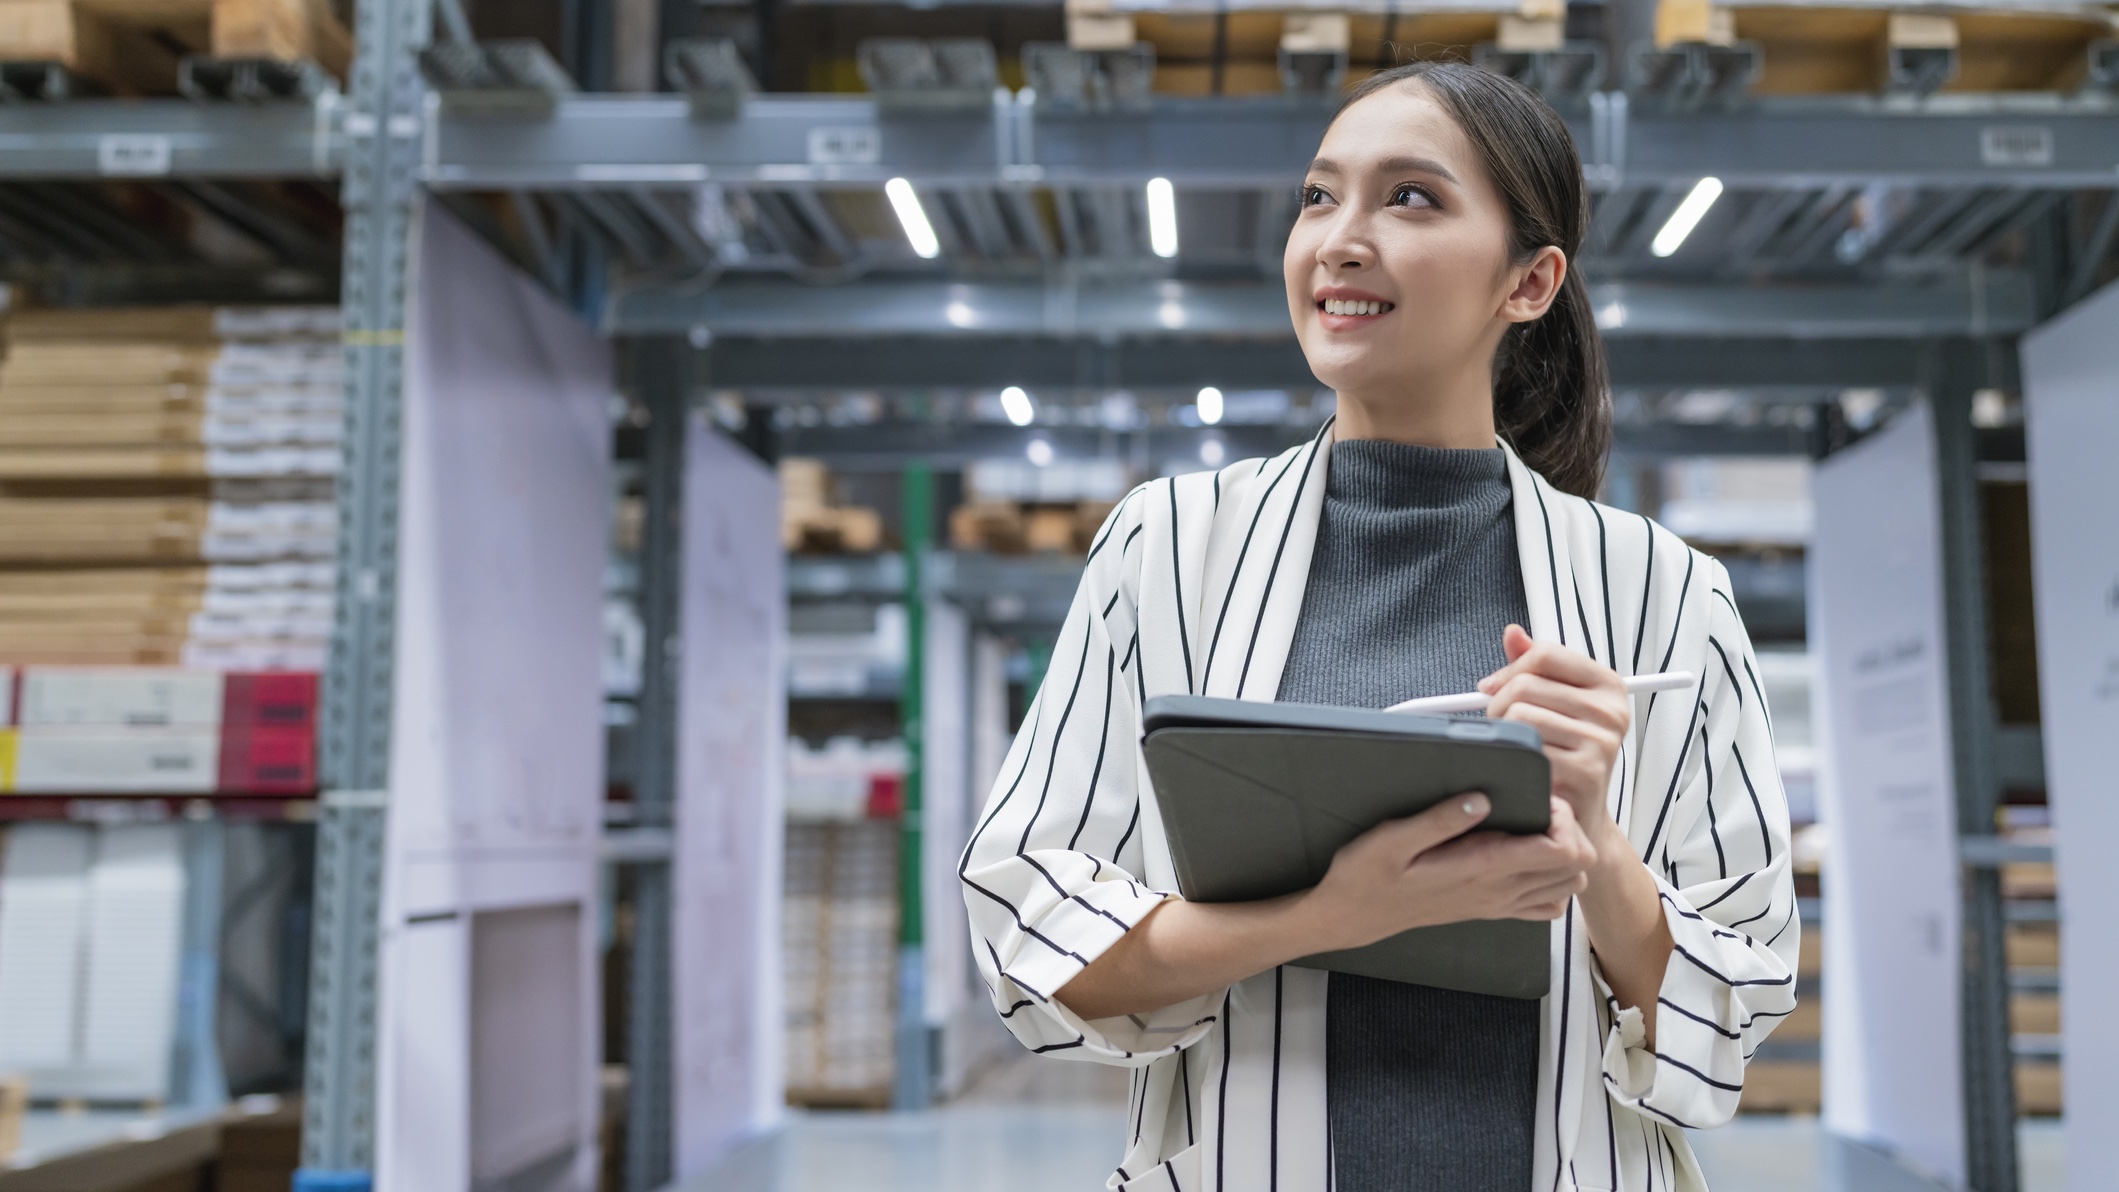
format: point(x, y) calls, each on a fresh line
point(1541, 551)
point(1259, 569)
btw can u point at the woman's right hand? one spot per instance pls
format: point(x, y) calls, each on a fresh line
point(1435, 868)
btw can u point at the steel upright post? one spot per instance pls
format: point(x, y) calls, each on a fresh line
point(1989, 1068)
point(382, 125)
point(913, 1086)
point(662, 379)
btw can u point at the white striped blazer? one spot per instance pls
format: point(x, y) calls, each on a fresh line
point(1194, 585)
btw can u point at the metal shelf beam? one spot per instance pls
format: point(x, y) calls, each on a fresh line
point(1998, 303)
point(171, 138)
point(608, 141)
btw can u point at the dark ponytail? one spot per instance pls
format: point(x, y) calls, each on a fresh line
point(1552, 397)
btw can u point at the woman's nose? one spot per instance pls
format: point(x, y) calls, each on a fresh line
point(1344, 247)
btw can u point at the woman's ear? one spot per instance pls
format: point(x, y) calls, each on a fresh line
point(1536, 287)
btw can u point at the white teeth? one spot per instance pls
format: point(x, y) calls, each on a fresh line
point(1344, 306)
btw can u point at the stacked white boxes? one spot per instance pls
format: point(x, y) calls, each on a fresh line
point(839, 930)
point(91, 926)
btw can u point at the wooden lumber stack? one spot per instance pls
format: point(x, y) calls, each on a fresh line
point(165, 487)
point(134, 46)
point(812, 521)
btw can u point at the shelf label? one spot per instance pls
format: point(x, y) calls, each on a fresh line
point(845, 146)
point(2026, 145)
point(134, 154)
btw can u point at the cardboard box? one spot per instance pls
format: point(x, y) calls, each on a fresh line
point(68, 759)
point(120, 696)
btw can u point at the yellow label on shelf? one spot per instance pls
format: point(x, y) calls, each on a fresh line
point(7, 758)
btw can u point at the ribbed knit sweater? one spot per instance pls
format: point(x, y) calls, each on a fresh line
point(1414, 577)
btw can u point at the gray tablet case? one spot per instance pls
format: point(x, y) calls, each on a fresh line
point(1257, 797)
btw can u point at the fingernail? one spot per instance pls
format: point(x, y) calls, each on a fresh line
point(1475, 805)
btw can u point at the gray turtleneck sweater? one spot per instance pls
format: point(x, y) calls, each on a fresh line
point(1414, 578)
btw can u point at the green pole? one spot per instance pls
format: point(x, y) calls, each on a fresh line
point(918, 535)
point(914, 1083)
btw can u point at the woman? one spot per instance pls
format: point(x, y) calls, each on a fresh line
point(1436, 534)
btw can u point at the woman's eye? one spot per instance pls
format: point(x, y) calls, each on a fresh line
point(1411, 196)
point(1313, 196)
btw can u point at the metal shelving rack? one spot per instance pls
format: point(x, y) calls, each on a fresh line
point(1055, 314)
point(2001, 160)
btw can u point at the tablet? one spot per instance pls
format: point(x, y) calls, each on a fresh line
point(1256, 798)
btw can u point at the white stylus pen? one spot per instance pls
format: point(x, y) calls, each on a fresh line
point(1476, 701)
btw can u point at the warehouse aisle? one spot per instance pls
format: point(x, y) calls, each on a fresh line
point(1036, 1125)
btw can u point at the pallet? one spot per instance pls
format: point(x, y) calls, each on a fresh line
point(1009, 528)
point(1185, 45)
point(1844, 48)
point(1806, 48)
point(850, 530)
point(134, 47)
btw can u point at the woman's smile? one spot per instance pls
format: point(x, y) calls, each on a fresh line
point(1343, 309)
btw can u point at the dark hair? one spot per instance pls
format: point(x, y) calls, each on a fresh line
point(1552, 399)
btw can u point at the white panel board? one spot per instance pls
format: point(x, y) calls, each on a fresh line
point(497, 745)
point(43, 921)
point(2071, 405)
point(525, 1041)
point(732, 726)
point(1891, 1053)
point(945, 809)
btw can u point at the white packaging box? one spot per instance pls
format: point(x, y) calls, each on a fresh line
point(120, 695)
point(67, 759)
point(43, 918)
point(135, 928)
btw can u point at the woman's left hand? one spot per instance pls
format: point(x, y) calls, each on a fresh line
point(1581, 709)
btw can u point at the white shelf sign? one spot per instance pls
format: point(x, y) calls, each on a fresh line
point(845, 146)
point(132, 154)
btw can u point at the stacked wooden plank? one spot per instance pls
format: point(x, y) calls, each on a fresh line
point(839, 940)
point(134, 46)
point(165, 487)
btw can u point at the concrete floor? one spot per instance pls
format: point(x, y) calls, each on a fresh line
point(1042, 1125)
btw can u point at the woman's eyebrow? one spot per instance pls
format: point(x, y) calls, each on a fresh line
point(1394, 165)
point(1416, 165)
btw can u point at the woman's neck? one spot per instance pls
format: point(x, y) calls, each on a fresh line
point(1452, 415)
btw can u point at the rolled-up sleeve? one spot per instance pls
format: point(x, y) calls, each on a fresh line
point(1050, 875)
point(1722, 868)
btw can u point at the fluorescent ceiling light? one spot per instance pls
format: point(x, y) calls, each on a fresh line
point(1686, 217)
point(1040, 452)
point(917, 229)
point(1210, 405)
point(1162, 217)
point(1212, 453)
point(1016, 404)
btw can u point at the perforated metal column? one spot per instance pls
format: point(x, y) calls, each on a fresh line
point(661, 377)
point(382, 127)
point(1989, 1066)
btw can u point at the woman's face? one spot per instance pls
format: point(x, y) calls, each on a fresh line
point(1398, 268)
